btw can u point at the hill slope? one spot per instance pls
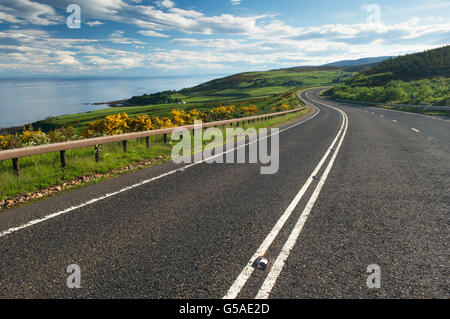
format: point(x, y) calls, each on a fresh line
point(249, 85)
point(359, 62)
point(428, 64)
point(421, 78)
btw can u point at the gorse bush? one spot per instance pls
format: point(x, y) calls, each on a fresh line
point(250, 110)
point(31, 137)
point(180, 117)
point(222, 113)
point(62, 135)
point(118, 124)
point(9, 141)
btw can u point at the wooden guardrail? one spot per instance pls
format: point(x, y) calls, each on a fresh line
point(15, 154)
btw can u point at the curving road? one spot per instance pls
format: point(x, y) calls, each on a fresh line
point(380, 196)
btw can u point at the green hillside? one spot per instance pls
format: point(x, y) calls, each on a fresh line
point(249, 85)
point(421, 79)
point(428, 64)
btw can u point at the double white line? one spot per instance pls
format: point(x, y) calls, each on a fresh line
point(277, 267)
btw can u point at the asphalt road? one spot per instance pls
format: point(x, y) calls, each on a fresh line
point(381, 196)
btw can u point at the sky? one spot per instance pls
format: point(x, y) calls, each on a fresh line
point(189, 37)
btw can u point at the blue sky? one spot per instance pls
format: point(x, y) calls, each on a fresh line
point(179, 37)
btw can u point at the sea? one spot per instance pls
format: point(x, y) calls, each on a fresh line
point(26, 100)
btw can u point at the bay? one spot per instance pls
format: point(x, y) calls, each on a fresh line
point(24, 101)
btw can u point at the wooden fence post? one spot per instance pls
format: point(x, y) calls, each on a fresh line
point(62, 155)
point(97, 153)
point(125, 146)
point(16, 166)
point(147, 141)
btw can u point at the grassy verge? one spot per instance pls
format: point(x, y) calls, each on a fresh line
point(44, 171)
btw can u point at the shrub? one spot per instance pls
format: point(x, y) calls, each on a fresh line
point(62, 135)
point(250, 110)
point(139, 123)
point(9, 141)
point(30, 137)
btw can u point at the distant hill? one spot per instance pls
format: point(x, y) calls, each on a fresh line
point(428, 64)
point(359, 62)
point(419, 78)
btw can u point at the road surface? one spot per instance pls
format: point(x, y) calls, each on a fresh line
point(380, 196)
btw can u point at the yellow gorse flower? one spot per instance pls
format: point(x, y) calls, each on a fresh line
point(250, 110)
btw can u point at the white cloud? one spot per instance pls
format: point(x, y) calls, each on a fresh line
point(118, 37)
point(151, 33)
point(94, 23)
point(235, 2)
point(166, 3)
point(5, 17)
point(29, 12)
point(220, 41)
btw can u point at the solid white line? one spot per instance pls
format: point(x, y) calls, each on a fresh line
point(245, 274)
point(415, 130)
point(277, 267)
point(70, 209)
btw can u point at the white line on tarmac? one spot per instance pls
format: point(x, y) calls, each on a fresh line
point(245, 274)
point(277, 267)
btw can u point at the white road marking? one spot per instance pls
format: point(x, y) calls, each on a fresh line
point(415, 130)
point(394, 121)
point(245, 274)
point(381, 115)
point(277, 267)
point(73, 208)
